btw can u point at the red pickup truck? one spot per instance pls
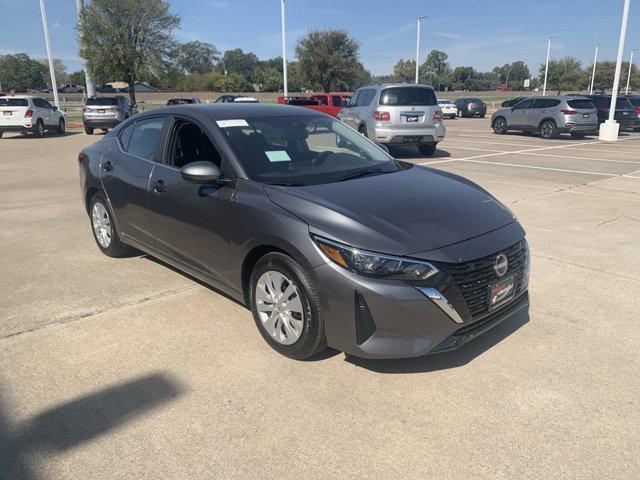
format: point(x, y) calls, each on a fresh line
point(329, 103)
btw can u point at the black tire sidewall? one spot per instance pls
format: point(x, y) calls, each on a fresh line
point(88, 130)
point(312, 338)
point(61, 126)
point(38, 130)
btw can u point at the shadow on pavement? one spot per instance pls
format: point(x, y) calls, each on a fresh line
point(79, 421)
point(413, 153)
point(30, 136)
point(446, 360)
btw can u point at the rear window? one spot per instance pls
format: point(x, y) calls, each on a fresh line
point(14, 102)
point(102, 101)
point(581, 104)
point(635, 101)
point(623, 103)
point(403, 96)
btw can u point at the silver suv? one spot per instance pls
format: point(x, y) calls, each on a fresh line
point(549, 115)
point(396, 114)
point(106, 112)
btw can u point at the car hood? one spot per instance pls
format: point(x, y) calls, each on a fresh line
point(414, 210)
point(502, 111)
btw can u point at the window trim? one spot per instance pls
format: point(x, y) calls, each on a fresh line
point(122, 126)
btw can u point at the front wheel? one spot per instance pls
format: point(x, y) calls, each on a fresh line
point(548, 129)
point(38, 130)
point(104, 229)
point(500, 126)
point(427, 148)
point(286, 307)
point(61, 126)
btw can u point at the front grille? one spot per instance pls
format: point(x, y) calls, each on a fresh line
point(473, 278)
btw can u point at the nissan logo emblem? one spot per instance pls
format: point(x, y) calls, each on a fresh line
point(501, 264)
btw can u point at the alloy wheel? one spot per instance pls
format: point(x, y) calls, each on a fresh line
point(101, 224)
point(279, 307)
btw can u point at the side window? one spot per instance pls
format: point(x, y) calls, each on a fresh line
point(125, 135)
point(145, 137)
point(336, 101)
point(190, 144)
point(354, 99)
point(47, 104)
point(38, 102)
point(539, 103)
point(523, 104)
point(366, 97)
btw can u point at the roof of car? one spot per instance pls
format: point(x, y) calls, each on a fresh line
point(229, 111)
point(22, 96)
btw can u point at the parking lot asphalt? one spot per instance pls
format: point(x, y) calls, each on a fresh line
point(125, 368)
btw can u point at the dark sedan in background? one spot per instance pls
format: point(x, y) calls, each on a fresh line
point(323, 235)
point(471, 107)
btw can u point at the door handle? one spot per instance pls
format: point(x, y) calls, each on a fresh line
point(107, 167)
point(159, 187)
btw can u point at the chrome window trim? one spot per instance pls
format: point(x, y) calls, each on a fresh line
point(441, 301)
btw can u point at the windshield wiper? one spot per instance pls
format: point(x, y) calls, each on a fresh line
point(359, 173)
point(287, 184)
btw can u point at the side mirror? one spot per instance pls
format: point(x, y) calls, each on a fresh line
point(201, 172)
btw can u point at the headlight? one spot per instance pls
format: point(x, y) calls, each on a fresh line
point(375, 265)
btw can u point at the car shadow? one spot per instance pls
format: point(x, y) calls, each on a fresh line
point(561, 136)
point(80, 420)
point(446, 360)
point(413, 153)
point(46, 135)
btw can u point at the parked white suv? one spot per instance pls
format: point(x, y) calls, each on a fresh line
point(23, 113)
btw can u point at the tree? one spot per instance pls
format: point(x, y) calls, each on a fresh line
point(436, 70)
point(605, 72)
point(328, 59)
point(197, 57)
point(462, 77)
point(564, 74)
point(236, 61)
point(21, 71)
point(77, 77)
point(127, 40)
point(405, 70)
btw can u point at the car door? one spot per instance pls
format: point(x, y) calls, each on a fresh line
point(125, 171)
point(191, 222)
point(539, 110)
point(54, 113)
point(519, 113)
point(42, 111)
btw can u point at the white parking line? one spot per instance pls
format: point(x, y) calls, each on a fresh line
point(575, 146)
point(580, 158)
point(516, 165)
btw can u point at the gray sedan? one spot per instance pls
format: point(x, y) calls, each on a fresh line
point(323, 235)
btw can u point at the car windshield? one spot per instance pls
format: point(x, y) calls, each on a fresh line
point(404, 96)
point(102, 101)
point(303, 150)
point(14, 102)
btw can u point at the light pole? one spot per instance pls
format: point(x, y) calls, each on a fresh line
point(609, 129)
point(593, 73)
point(87, 79)
point(546, 67)
point(629, 74)
point(418, 44)
point(284, 51)
point(54, 85)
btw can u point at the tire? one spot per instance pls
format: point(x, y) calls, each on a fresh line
point(38, 130)
point(61, 127)
point(105, 130)
point(299, 333)
point(499, 126)
point(427, 149)
point(88, 130)
point(483, 115)
point(578, 135)
point(101, 220)
point(548, 129)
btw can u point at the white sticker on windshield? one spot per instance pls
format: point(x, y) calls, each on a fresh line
point(240, 122)
point(278, 156)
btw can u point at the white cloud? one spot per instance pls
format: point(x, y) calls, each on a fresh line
point(447, 35)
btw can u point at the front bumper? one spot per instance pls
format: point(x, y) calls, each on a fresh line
point(401, 319)
point(408, 136)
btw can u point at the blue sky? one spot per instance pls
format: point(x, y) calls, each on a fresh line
point(477, 33)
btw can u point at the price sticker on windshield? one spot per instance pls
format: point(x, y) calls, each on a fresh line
point(278, 156)
point(240, 122)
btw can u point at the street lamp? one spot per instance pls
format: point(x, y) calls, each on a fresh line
point(609, 129)
point(87, 80)
point(593, 73)
point(546, 66)
point(418, 44)
point(629, 74)
point(284, 51)
point(54, 85)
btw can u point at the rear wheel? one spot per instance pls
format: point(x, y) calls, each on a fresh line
point(104, 229)
point(577, 135)
point(500, 126)
point(286, 307)
point(88, 130)
point(61, 126)
point(38, 130)
point(548, 129)
point(427, 148)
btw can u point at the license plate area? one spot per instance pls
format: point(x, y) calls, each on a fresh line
point(100, 111)
point(8, 113)
point(501, 292)
point(411, 118)
point(585, 115)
